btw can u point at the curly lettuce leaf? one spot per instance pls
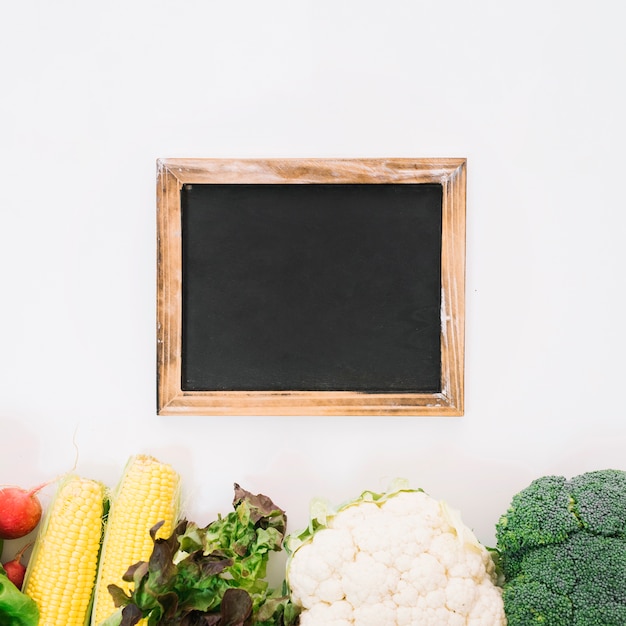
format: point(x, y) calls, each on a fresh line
point(212, 575)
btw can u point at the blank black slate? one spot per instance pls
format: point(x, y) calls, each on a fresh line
point(314, 287)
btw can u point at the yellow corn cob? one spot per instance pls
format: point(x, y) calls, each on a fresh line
point(62, 569)
point(148, 493)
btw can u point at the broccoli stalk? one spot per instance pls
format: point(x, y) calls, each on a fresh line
point(562, 547)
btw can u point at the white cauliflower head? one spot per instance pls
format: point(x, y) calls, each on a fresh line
point(399, 558)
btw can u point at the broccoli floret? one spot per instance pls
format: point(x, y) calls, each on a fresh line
point(611, 614)
point(562, 546)
point(551, 566)
point(531, 603)
point(539, 515)
point(600, 501)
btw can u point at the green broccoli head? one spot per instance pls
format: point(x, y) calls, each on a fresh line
point(562, 547)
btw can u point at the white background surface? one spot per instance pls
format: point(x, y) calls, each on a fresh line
point(532, 94)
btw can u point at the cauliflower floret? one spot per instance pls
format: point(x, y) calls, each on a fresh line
point(306, 574)
point(367, 581)
point(474, 564)
point(317, 572)
point(488, 608)
point(426, 573)
point(323, 614)
point(336, 545)
point(399, 559)
point(354, 516)
point(461, 594)
point(375, 614)
point(414, 503)
point(427, 616)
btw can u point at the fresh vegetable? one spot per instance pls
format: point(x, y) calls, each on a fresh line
point(148, 493)
point(212, 575)
point(61, 572)
point(20, 511)
point(562, 546)
point(399, 557)
point(16, 608)
point(15, 569)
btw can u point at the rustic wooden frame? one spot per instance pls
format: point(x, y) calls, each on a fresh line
point(174, 173)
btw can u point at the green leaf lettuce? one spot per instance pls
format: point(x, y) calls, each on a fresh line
point(16, 608)
point(212, 575)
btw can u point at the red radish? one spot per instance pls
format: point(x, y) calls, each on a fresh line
point(20, 511)
point(15, 570)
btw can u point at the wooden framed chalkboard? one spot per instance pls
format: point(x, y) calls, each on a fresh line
point(311, 286)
